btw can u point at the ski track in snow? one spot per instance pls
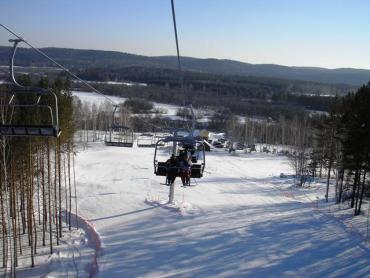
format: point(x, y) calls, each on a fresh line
point(240, 220)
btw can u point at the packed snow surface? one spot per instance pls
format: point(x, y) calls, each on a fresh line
point(240, 220)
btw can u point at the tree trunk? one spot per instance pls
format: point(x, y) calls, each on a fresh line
point(74, 184)
point(341, 176)
point(328, 180)
point(362, 194)
point(44, 212)
point(354, 186)
point(49, 197)
point(60, 189)
point(55, 210)
point(65, 187)
point(69, 186)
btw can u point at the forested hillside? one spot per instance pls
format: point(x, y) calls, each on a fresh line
point(110, 59)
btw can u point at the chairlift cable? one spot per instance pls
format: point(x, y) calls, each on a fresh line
point(181, 76)
point(69, 72)
point(58, 64)
point(85, 82)
point(176, 38)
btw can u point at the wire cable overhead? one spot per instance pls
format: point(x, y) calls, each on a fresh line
point(70, 73)
point(58, 64)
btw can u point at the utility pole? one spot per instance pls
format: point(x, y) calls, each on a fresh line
point(171, 195)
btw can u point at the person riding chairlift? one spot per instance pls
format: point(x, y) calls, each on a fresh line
point(185, 170)
point(172, 169)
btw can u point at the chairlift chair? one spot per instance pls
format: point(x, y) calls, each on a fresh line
point(146, 140)
point(51, 129)
point(119, 135)
point(198, 161)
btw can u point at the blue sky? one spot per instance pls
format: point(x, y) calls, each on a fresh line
point(325, 33)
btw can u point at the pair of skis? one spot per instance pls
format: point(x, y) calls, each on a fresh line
point(186, 185)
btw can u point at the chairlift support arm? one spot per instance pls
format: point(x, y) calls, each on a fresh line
point(11, 62)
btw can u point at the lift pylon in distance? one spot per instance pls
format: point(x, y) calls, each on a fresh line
point(47, 122)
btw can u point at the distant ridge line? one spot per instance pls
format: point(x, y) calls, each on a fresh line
point(84, 58)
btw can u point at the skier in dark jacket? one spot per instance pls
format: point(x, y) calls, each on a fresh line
point(172, 169)
point(185, 170)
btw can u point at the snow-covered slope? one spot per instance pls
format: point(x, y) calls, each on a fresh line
point(166, 110)
point(94, 98)
point(240, 220)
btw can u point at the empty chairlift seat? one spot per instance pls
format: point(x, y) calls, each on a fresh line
point(146, 140)
point(47, 122)
point(48, 114)
point(119, 136)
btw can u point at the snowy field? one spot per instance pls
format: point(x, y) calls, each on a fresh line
point(94, 98)
point(128, 84)
point(167, 110)
point(97, 99)
point(240, 220)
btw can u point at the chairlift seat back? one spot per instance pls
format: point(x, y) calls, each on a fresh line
point(119, 144)
point(196, 171)
point(161, 169)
